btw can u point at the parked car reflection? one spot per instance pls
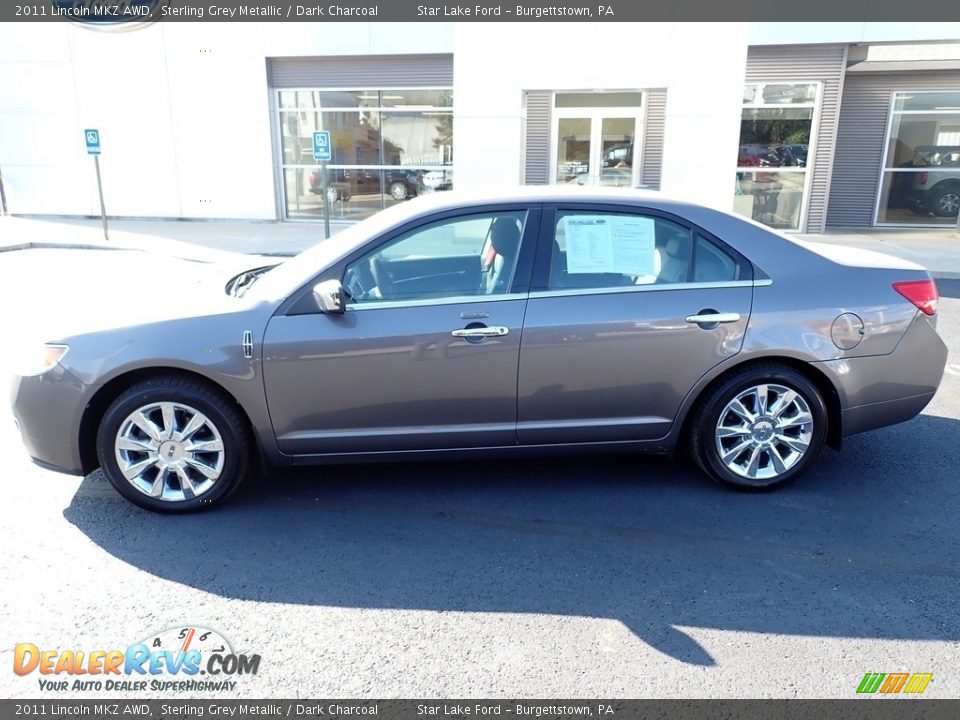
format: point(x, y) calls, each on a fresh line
point(342, 184)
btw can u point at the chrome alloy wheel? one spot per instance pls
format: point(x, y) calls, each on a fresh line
point(764, 431)
point(398, 191)
point(169, 451)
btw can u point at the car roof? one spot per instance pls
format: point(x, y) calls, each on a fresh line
point(454, 199)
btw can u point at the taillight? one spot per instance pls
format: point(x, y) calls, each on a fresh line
point(922, 293)
point(923, 177)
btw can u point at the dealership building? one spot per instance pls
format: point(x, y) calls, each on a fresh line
point(801, 126)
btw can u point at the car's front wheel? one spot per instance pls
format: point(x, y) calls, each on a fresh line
point(398, 191)
point(759, 429)
point(173, 445)
point(946, 202)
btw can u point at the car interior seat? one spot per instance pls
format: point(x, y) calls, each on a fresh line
point(674, 257)
point(505, 243)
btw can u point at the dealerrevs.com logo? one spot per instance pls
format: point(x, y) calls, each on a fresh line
point(178, 659)
point(894, 683)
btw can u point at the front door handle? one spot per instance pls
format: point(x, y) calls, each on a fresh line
point(711, 318)
point(481, 332)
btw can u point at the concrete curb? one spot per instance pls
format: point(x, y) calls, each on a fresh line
point(59, 246)
point(169, 247)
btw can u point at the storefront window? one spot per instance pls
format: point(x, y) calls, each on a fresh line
point(387, 146)
point(921, 174)
point(775, 133)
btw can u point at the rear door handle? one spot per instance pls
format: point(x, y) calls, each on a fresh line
point(710, 318)
point(481, 332)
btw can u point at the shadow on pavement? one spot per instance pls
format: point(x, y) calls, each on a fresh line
point(865, 546)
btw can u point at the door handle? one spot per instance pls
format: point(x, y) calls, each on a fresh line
point(481, 332)
point(710, 318)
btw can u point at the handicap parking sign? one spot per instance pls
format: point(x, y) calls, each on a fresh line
point(93, 141)
point(321, 145)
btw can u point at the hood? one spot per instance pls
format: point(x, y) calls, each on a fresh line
point(153, 289)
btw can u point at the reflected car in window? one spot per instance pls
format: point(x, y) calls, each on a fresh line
point(936, 189)
point(618, 156)
point(400, 184)
point(438, 180)
point(757, 156)
point(534, 320)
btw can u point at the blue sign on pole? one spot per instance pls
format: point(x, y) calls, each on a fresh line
point(321, 145)
point(93, 141)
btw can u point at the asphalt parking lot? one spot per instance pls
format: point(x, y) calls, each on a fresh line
point(618, 576)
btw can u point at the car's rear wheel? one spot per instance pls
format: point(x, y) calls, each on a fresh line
point(173, 445)
point(759, 429)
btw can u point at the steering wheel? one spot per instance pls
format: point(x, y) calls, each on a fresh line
point(358, 282)
point(381, 278)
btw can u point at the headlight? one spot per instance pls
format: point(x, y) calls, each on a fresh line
point(38, 359)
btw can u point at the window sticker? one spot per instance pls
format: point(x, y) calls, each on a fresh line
point(610, 244)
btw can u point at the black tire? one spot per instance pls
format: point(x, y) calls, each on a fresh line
point(705, 445)
point(945, 201)
point(224, 423)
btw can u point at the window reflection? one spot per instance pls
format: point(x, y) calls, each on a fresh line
point(775, 131)
point(775, 199)
point(921, 176)
point(387, 146)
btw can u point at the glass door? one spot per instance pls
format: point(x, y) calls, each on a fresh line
point(595, 139)
point(574, 159)
point(616, 142)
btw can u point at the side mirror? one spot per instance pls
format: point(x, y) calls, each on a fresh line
point(329, 296)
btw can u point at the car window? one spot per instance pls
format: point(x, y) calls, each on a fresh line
point(615, 250)
point(610, 250)
point(462, 256)
point(713, 264)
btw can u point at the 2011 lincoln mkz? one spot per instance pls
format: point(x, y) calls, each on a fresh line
point(534, 320)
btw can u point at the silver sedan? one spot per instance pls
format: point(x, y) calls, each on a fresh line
point(535, 321)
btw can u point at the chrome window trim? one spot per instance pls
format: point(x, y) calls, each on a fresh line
point(455, 300)
point(467, 299)
point(648, 288)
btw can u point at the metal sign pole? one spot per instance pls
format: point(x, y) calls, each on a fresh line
point(326, 202)
point(322, 155)
point(92, 138)
point(103, 210)
point(3, 197)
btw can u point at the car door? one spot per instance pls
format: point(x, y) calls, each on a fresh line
point(628, 309)
point(426, 354)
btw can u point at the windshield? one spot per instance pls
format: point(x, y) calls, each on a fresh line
point(288, 276)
